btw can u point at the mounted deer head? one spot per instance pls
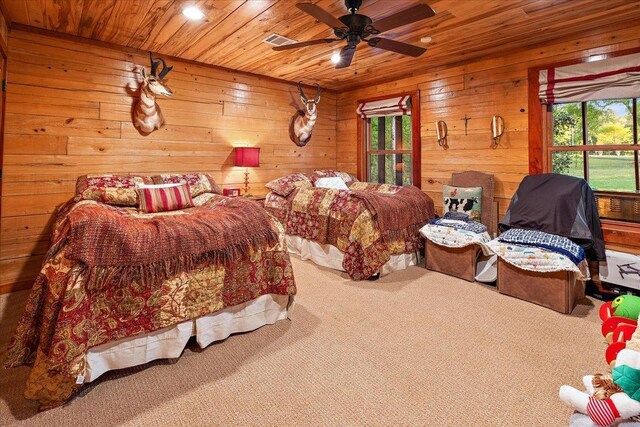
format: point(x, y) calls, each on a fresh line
point(147, 116)
point(301, 124)
point(310, 105)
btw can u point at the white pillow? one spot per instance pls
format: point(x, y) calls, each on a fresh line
point(334, 182)
point(167, 185)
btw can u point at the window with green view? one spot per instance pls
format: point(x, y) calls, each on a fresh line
point(389, 150)
point(598, 141)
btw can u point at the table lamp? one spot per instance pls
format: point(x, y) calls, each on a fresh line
point(248, 157)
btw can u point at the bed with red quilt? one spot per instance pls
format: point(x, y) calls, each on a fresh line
point(119, 287)
point(363, 229)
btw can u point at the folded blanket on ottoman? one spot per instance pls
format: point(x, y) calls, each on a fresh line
point(540, 239)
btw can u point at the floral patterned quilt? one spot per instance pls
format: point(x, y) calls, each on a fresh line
point(337, 218)
point(536, 259)
point(63, 318)
point(455, 238)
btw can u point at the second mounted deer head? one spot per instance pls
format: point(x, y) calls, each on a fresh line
point(147, 116)
point(301, 124)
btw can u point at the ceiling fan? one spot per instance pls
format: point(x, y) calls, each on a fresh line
point(355, 27)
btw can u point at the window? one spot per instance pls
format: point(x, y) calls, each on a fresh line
point(389, 149)
point(598, 141)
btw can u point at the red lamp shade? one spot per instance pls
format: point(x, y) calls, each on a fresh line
point(247, 157)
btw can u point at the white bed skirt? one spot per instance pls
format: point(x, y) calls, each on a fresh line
point(329, 256)
point(168, 343)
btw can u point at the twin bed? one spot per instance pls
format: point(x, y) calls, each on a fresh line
point(120, 287)
point(362, 228)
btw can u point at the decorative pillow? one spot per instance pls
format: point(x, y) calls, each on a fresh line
point(322, 173)
point(335, 182)
point(112, 189)
point(285, 185)
point(199, 183)
point(463, 199)
point(167, 185)
point(161, 198)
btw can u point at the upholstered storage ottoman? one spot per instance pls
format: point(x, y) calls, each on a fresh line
point(559, 291)
point(457, 262)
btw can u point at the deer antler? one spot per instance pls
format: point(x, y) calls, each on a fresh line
point(154, 64)
point(154, 67)
point(301, 91)
point(165, 70)
point(318, 91)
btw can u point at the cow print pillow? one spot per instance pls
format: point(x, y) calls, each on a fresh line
point(463, 199)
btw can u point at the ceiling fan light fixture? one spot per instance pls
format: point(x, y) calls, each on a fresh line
point(425, 39)
point(354, 28)
point(193, 13)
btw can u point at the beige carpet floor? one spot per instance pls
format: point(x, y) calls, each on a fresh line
point(415, 348)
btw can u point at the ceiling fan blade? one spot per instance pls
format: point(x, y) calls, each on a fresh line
point(320, 14)
point(303, 44)
point(398, 47)
point(407, 16)
point(346, 56)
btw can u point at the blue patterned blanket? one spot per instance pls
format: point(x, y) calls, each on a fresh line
point(540, 239)
point(460, 222)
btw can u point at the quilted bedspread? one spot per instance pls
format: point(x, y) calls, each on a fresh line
point(64, 317)
point(339, 218)
point(455, 238)
point(537, 259)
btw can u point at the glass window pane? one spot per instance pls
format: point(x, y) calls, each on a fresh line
point(388, 132)
point(374, 133)
point(568, 163)
point(378, 166)
point(387, 167)
point(610, 122)
point(612, 170)
point(373, 168)
point(567, 124)
point(406, 132)
point(407, 170)
point(391, 169)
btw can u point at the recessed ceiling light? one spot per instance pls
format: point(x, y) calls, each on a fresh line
point(335, 58)
point(426, 40)
point(192, 12)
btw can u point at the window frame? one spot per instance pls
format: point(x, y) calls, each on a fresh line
point(540, 131)
point(618, 234)
point(585, 148)
point(363, 139)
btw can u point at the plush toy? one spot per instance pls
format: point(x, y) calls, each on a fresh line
point(603, 412)
point(617, 327)
point(623, 306)
point(609, 399)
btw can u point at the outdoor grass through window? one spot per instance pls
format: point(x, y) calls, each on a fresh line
point(598, 141)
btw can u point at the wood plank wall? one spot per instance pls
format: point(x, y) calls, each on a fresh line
point(68, 113)
point(481, 89)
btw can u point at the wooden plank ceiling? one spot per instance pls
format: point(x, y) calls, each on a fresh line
point(232, 32)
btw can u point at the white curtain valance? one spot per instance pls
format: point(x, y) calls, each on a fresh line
point(612, 78)
point(385, 107)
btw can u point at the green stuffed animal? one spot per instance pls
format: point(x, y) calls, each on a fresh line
point(626, 306)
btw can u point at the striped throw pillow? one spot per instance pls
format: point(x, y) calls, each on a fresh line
point(164, 198)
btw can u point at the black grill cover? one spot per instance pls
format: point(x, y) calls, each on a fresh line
point(558, 204)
